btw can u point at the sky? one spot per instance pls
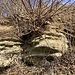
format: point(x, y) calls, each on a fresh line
point(71, 0)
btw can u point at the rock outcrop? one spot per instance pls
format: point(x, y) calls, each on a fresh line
point(10, 51)
point(51, 43)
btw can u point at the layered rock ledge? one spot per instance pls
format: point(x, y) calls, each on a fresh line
point(10, 51)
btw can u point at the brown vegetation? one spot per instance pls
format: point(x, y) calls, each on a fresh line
point(30, 18)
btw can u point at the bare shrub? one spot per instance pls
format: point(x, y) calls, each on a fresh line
point(31, 15)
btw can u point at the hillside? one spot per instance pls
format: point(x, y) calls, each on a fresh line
point(49, 51)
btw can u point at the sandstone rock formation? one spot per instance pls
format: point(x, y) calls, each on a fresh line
point(52, 42)
point(10, 45)
point(10, 51)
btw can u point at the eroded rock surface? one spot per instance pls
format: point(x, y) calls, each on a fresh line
point(56, 41)
point(51, 43)
point(10, 51)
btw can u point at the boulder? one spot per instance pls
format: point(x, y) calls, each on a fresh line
point(56, 42)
